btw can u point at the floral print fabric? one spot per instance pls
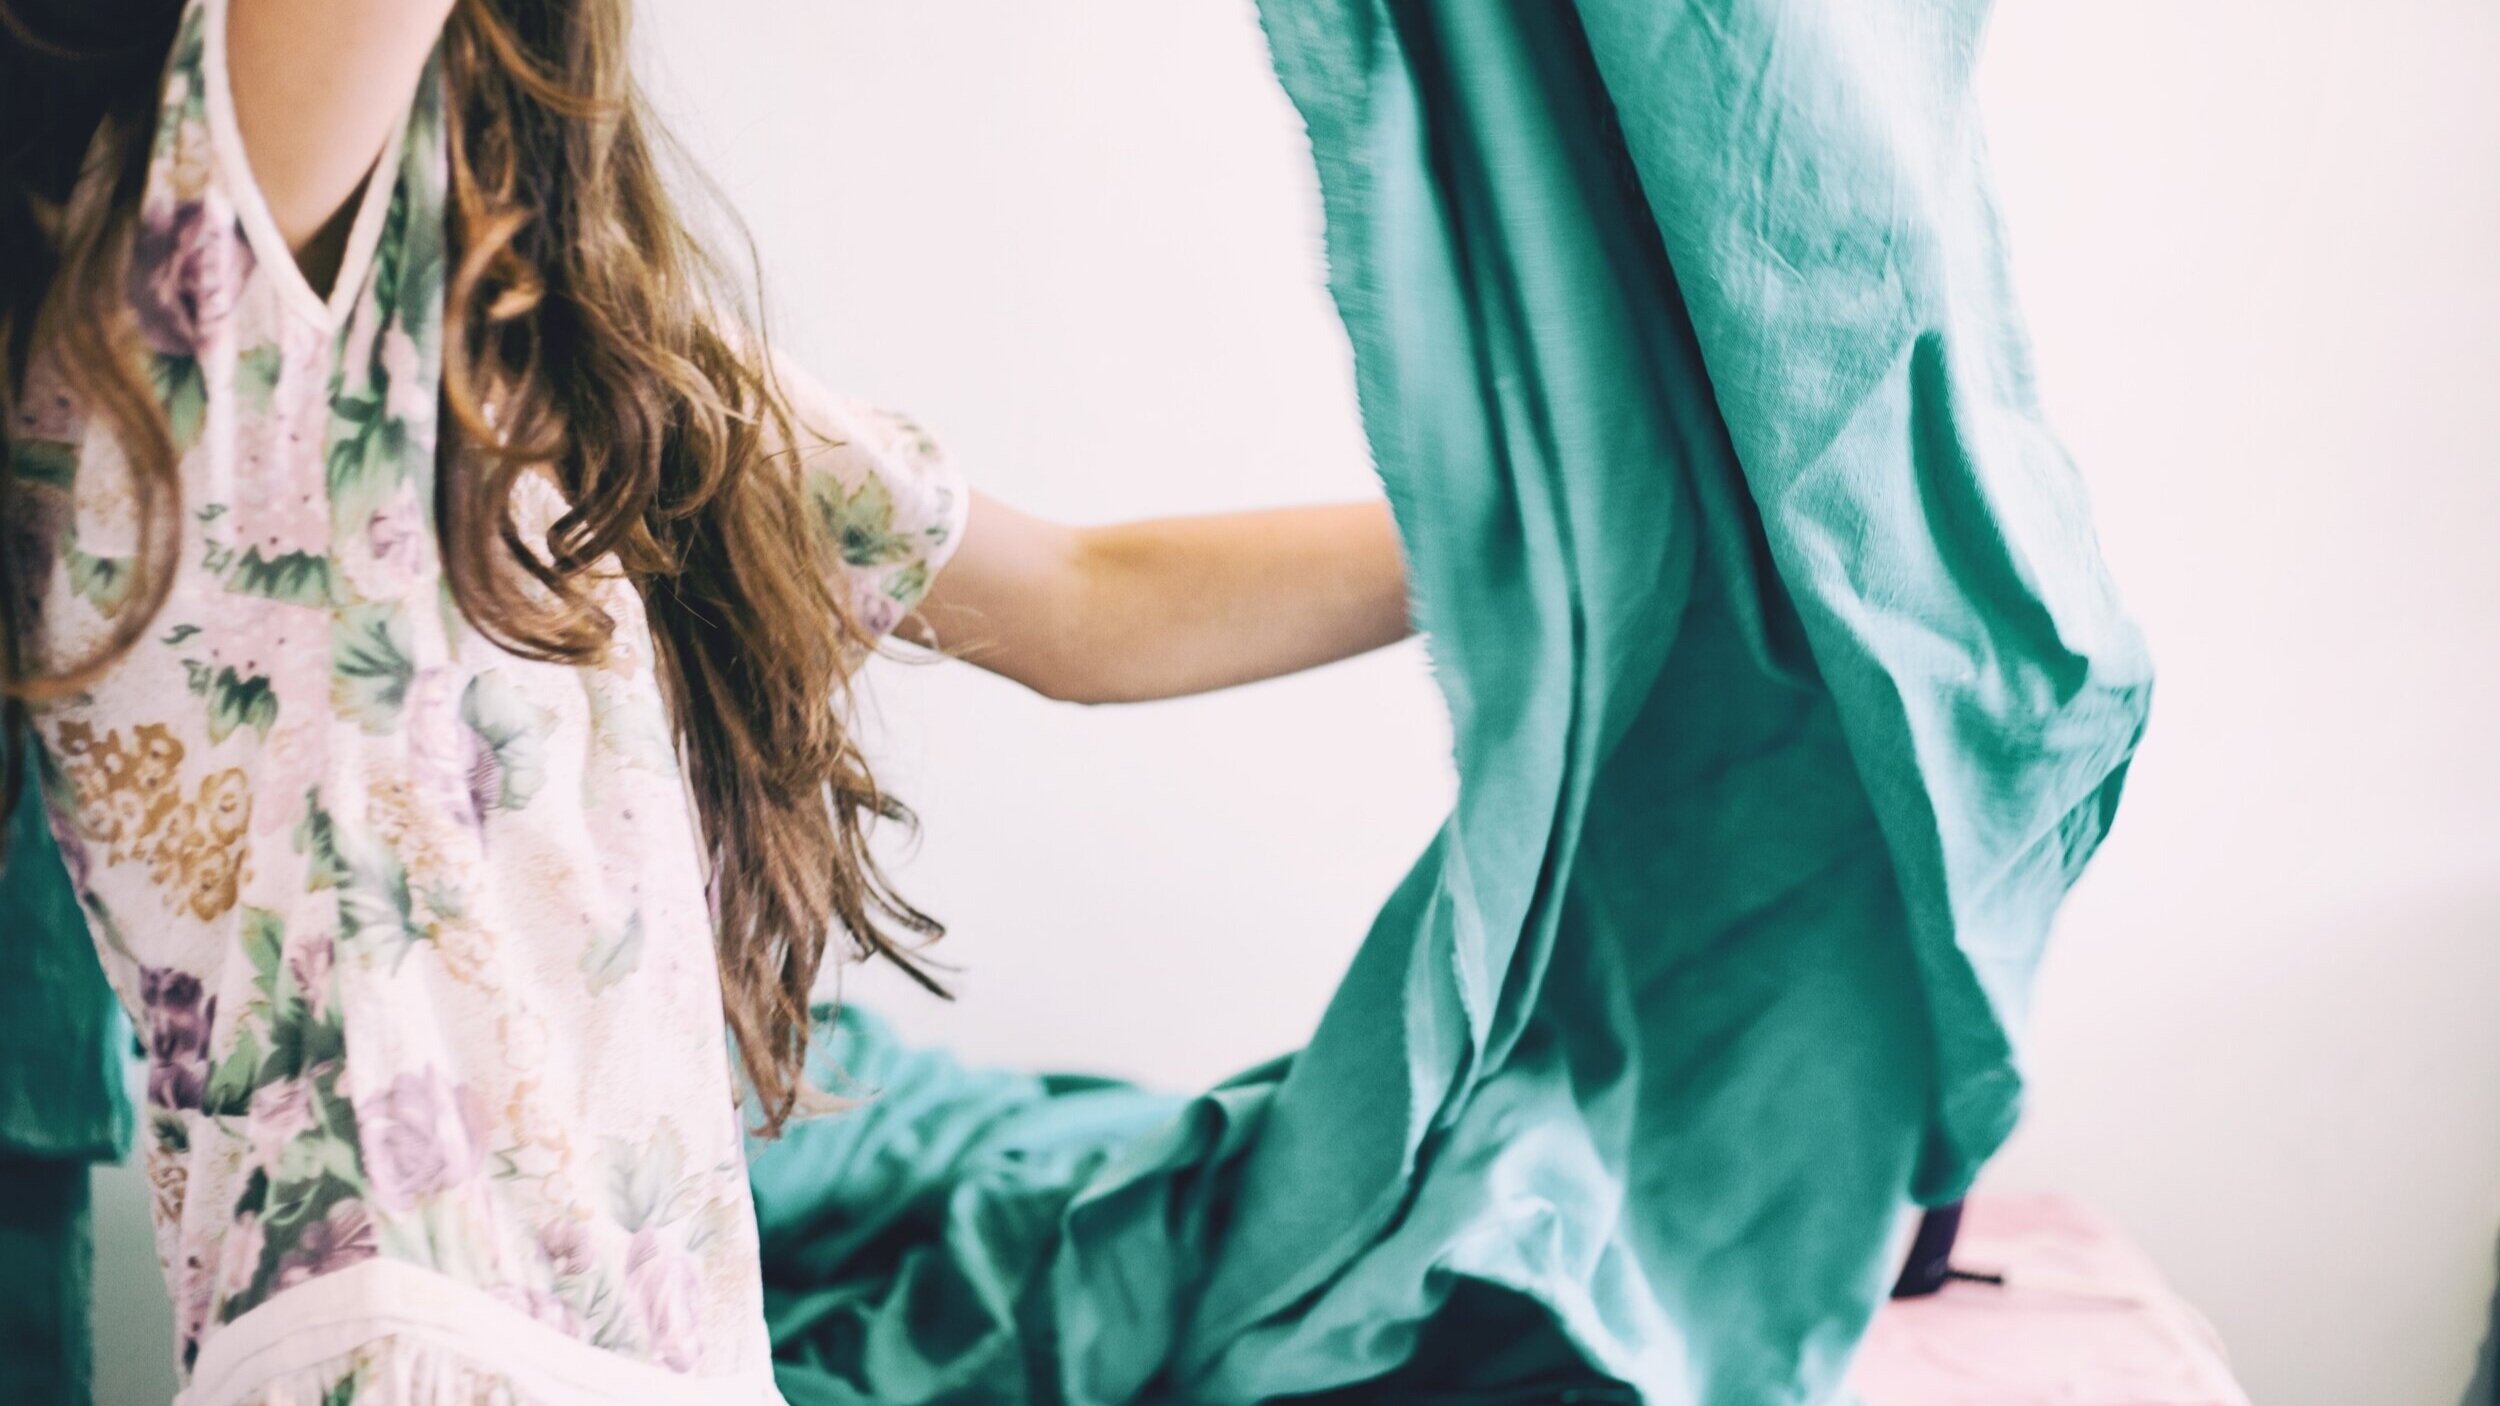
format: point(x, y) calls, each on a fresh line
point(413, 930)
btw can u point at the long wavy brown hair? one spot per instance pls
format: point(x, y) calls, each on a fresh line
point(615, 352)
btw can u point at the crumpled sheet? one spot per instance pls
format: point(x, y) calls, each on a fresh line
point(64, 1104)
point(1790, 696)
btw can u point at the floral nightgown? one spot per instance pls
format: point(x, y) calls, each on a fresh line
point(414, 930)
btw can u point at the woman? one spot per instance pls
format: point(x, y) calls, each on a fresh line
point(433, 606)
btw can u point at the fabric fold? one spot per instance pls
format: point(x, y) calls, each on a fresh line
point(1789, 696)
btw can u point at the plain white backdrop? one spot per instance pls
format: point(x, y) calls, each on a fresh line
point(2257, 239)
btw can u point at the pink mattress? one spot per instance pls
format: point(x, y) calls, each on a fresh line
point(2083, 1320)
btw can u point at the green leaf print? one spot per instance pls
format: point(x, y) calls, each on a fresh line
point(44, 462)
point(103, 582)
point(317, 838)
point(183, 391)
point(264, 937)
point(298, 1041)
point(376, 900)
point(231, 1083)
point(256, 375)
point(861, 521)
point(234, 701)
point(612, 959)
point(369, 456)
point(514, 729)
point(371, 883)
point(255, 1194)
point(369, 665)
point(295, 578)
point(909, 584)
point(388, 253)
point(642, 1173)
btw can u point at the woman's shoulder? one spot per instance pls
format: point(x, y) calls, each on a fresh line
point(882, 489)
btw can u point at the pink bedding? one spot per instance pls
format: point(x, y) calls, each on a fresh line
point(2084, 1320)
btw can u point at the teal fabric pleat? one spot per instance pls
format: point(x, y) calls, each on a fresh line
point(64, 1104)
point(1789, 694)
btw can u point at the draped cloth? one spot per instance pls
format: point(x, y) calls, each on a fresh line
point(64, 1105)
point(1789, 695)
point(1789, 698)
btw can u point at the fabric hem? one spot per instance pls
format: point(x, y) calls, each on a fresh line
point(330, 1317)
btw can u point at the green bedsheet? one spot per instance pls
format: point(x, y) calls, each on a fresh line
point(1789, 694)
point(63, 1106)
point(1790, 697)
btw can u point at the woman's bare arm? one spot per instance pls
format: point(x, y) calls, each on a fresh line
point(1144, 610)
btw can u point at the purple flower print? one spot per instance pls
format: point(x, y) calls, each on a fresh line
point(241, 1254)
point(876, 612)
point(281, 1112)
point(423, 1136)
point(72, 843)
point(328, 1245)
point(453, 766)
point(186, 267)
point(309, 966)
point(396, 534)
point(195, 1291)
point(661, 1284)
point(178, 1025)
point(566, 1244)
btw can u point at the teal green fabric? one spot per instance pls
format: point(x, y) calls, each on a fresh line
point(64, 1090)
point(1790, 695)
point(46, 1358)
point(64, 1103)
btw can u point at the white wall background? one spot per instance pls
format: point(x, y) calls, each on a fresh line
point(2260, 241)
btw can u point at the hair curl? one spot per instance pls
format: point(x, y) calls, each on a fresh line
point(609, 345)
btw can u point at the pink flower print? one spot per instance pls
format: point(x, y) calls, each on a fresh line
point(282, 503)
point(194, 1291)
point(258, 637)
point(396, 532)
point(310, 966)
point(409, 397)
point(385, 560)
point(290, 766)
point(662, 1284)
point(876, 612)
point(282, 484)
point(566, 1245)
point(187, 264)
point(178, 1023)
point(240, 1255)
point(281, 1112)
point(343, 1237)
point(444, 752)
point(422, 1136)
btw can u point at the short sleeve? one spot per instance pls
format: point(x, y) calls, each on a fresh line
point(882, 491)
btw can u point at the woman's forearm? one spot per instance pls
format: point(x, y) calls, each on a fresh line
point(1173, 606)
point(1183, 605)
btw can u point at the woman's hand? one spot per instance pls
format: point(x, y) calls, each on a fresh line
point(1158, 609)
